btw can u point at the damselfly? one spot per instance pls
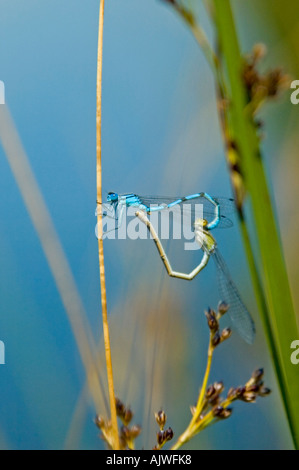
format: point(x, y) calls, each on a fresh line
point(214, 208)
point(228, 290)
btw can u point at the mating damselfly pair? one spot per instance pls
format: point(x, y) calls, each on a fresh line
point(214, 215)
point(214, 209)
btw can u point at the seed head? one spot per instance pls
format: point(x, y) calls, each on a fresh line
point(161, 418)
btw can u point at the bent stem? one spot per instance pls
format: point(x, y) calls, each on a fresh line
point(196, 424)
point(200, 401)
point(198, 33)
point(100, 239)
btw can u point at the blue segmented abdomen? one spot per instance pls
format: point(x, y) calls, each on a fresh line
point(213, 212)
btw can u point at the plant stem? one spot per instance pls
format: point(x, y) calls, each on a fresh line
point(195, 425)
point(198, 33)
point(200, 401)
point(274, 275)
point(100, 231)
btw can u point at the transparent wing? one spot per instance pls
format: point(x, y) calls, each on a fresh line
point(112, 218)
point(227, 206)
point(184, 212)
point(238, 312)
point(105, 209)
point(227, 203)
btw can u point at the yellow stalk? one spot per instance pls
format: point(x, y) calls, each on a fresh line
point(195, 423)
point(100, 231)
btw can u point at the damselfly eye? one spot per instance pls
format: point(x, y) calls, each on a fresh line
point(112, 197)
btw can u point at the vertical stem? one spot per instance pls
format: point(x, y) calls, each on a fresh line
point(273, 271)
point(100, 228)
point(203, 389)
point(223, 112)
point(193, 426)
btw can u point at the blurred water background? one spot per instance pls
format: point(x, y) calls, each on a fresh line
point(160, 136)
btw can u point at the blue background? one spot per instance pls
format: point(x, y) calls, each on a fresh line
point(160, 135)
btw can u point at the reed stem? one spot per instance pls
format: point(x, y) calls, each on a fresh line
point(100, 231)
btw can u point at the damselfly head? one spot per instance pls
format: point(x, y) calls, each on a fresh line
point(112, 197)
point(200, 223)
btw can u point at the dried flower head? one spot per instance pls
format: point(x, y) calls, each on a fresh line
point(161, 419)
point(261, 86)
